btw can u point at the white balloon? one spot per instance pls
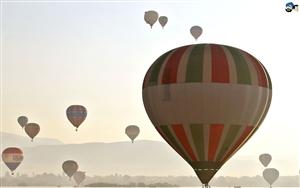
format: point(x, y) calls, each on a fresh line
point(151, 17)
point(270, 175)
point(132, 131)
point(163, 21)
point(196, 31)
point(265, 159)
point(79, 176)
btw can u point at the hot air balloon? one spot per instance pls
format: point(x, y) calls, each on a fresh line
point(132, 132)
point(163, 21)
point(265, 159)
point(76, 114)
point(22, 120)
point(12, 157)
point(70, 167)
point(270, 175)
point(32, 129)
point(151, 17)
point(206, 101)
point(79, 176)
point(196, 31)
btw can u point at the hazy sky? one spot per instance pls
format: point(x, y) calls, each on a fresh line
point(58, 53)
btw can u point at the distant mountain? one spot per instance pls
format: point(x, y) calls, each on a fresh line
point(144, 157)
point(9, 139)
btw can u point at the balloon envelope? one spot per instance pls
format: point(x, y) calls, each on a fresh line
point(12, 157)
point(270, 175)
point(206, 101)
point(32, 129)
point(79, 176)
point(151, 17)
point(132, 131)
point(196, 31)
point(70, 167)
point(22, 120)
point(76, 114)
point(265, 159)
point(163, 20)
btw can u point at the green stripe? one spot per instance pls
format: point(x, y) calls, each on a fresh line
point(229, 139)
point(170, 136)
point(198, 139)
point(243, 72)
point(194, 67)
point(156, 69)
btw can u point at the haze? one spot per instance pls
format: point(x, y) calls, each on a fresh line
point(55, 54)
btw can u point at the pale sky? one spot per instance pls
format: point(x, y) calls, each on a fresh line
point(59, 53)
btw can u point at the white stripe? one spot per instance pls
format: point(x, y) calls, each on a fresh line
point(162, 67)
point(208, 103)
point(181, 73)
point(231, 65)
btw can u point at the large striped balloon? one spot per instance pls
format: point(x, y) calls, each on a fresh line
point(12, 157)
point(206, 101)
point(76, 114)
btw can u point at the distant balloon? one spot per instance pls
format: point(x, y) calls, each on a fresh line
point(12, 157)
point(151, 17)
point(79, 176)
point(163, 21)
point(132, 132)
point(22, 120)
point(265, 159)
point(32, 129)
point(196, 31)
point(70, 167)
point(76, 114)
point(270, 175)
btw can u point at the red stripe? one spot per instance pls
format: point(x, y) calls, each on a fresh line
point(171, 69)
point(261, 75)
point(220, 69)
point(180, 133)
point(215, 133)
point(240, 142)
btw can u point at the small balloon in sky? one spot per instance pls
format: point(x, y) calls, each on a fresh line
point(290, 6)
point(265, 159)
point(32, 129)
point(163, 21)
point(196, 31)
point(12, 157)
point(270, 175)
point(132, 132)
point(22, 120)
point(70, 167)
point(76, 114)
point(151, 17)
